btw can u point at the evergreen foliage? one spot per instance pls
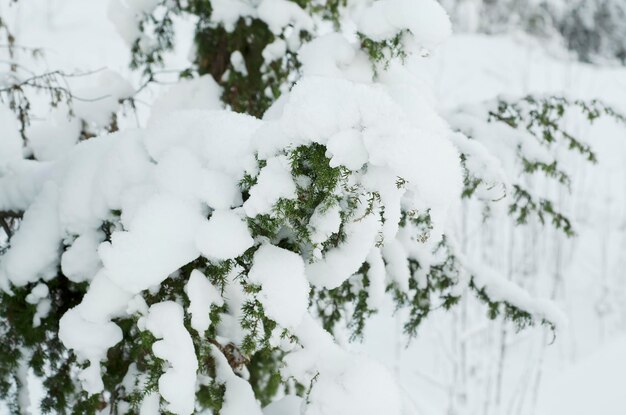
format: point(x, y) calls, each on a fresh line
point(132, 370)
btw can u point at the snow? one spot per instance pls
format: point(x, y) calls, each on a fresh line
point(425, 19)
point(474, 69)
point(310, 112)
point(23, 397)
point(90, 340)
point(125, 16)
point(346, 149)
point(142, 6)
point(338, 264)
point(274, 51)
point(220, 139)
point(97, 103)
point(238, 397)
point(178, 384)
point(317, 108)
point(159, 240)
point(124, 21)
point(518, 144)
point(224, 236)
point(179, 172)
point(284, 288)
point(87, 328)
point(326, 55)
point(38, 292)
point(377, 276)
point(324, 222)
point(35, 247)
point(39, 296)
point(80, 261)
point(21, 182)
point(402, 155)
point(201, 93)
point(274, 182)
point(280, 13)
point(484, 165)
point(95, 179)
point(397, 262)
point(332, 55)
point(219, 190)
point(150, 405)
point(11, 142)
point(343, 383)
point(234, 297)
point(499, 289)
point(288, 405)
point(277, 14)
point(104, 299)
point(358, 386)
point(137, 305)
point(54, 138)
point(77, 212)
point(384, 183)
point(227, 12)
point(186, 166)
point(593, 385)
point(239, 63)
point(202, 295)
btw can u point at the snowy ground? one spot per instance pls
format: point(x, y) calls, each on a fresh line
point(584, 370)
point(593, 385)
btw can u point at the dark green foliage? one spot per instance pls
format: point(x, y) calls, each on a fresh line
point(211, 396)
point(252, 92)
point(264, 374)
point(524, 204)
point(495, 309)
point(162, 27)
point(383, 52)
point(287, 226)
point(321, 180)
point(40, 347)
point(437, 293)
point(346, 303)
point(329, 11)
point(542, 119)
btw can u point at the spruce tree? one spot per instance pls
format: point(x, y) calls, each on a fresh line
point(203, 264)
